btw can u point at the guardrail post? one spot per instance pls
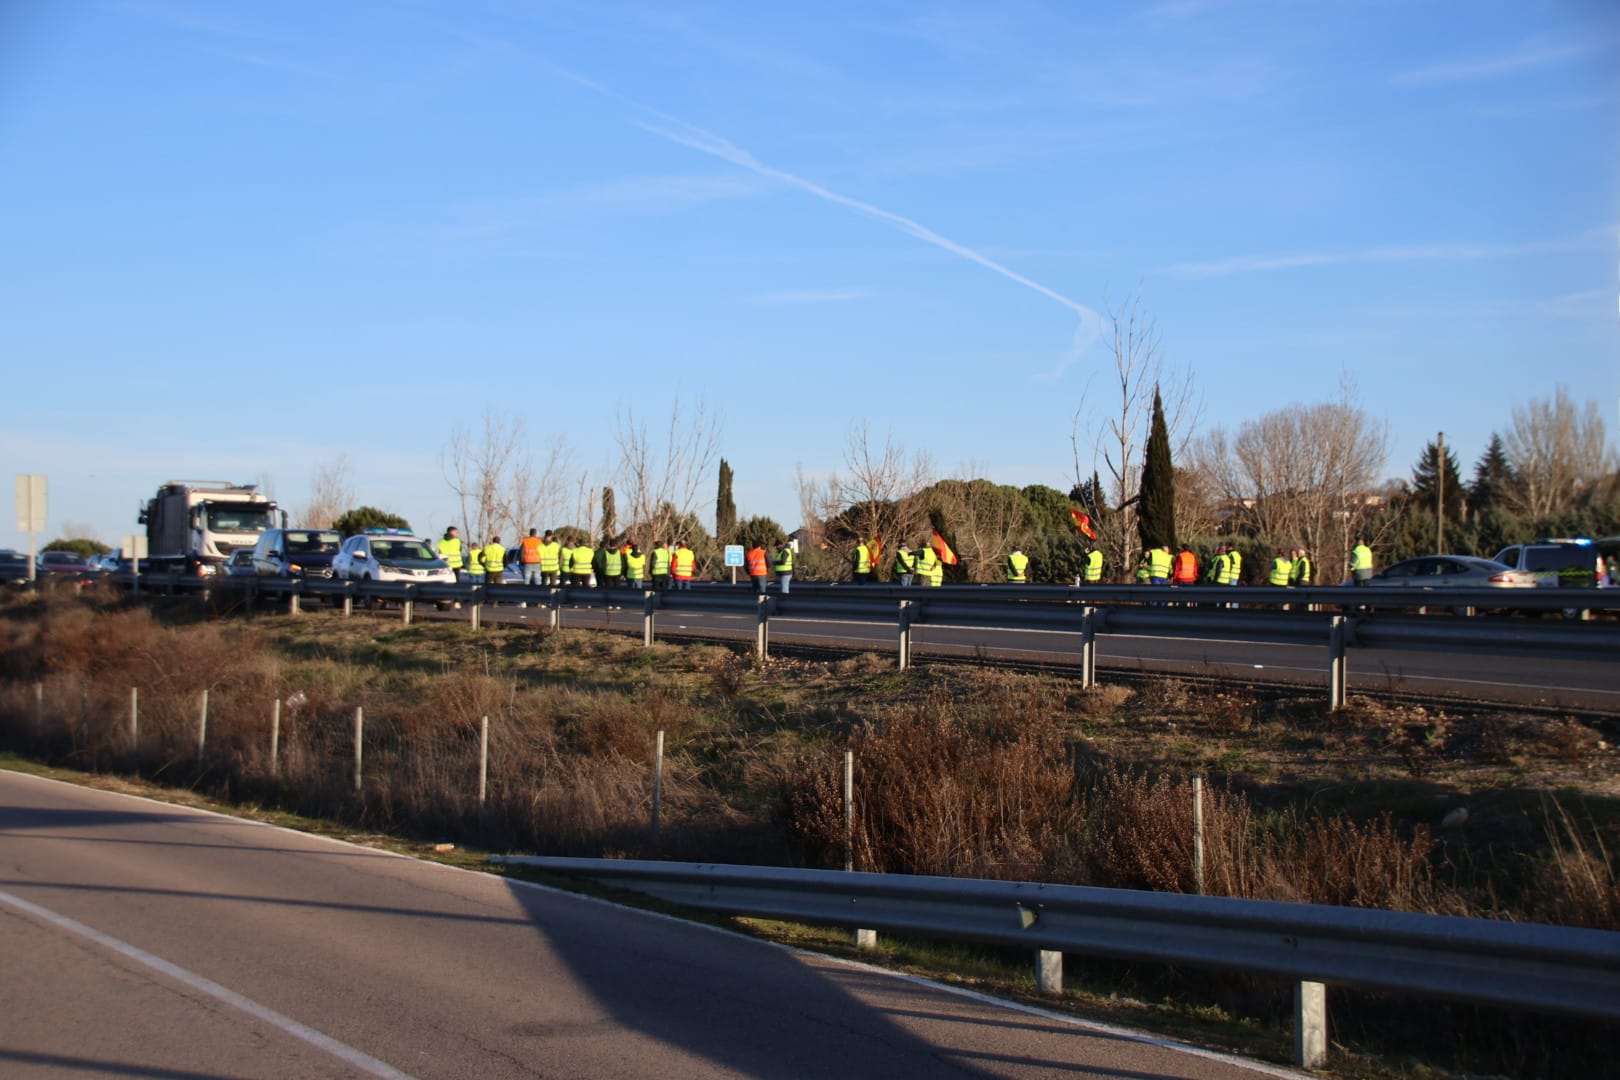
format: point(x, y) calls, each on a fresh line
point(475, 609)
point(359, 743)
point(275, 738)
point(762, 630)
point(1198, 834)
point(1049, 971)
point(864, 939)
point(658, 784)
point(407, 608)
point(1337, 675)
point(905, 634)
point(483, 761)
point(1088, 647)
point(648, 599)
point(293, 606)
point(1310, 1025)
point(348, 598)
point(554, 609)
point(202, 724)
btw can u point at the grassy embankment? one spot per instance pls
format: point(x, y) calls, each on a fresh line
point(959, 771)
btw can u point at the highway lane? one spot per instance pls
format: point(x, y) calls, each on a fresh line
point(1573, 683)
point(143, 939)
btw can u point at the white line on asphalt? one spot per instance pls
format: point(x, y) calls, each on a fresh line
point(343, 1051)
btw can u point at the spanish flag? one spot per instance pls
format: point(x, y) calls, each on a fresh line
point(943, 550)
point(1083, 523)
point(875, 546)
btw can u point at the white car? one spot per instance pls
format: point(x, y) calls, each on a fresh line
point(386, 555)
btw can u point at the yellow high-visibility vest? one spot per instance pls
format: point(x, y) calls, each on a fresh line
point(450, 552)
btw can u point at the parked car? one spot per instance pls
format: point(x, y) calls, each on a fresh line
point(103, 564)
point(240, 564)
point(389, 555)
point(62, 562)
point(1451, 572)
point(13, 569)
point(307, 553)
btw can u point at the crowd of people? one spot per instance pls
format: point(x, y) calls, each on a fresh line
point(547, 559)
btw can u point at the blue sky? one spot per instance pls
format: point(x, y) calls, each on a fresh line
point(237, 239)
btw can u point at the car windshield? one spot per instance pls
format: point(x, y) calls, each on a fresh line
point(400, 550)
point(60, 558)
point(225, 517)
point(1544, 559)
point(312, 543)
point(13, 558)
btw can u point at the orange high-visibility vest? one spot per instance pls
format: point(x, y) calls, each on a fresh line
point(531, 549)
point(1186, 567)
point(756, 562)
point(684, 561)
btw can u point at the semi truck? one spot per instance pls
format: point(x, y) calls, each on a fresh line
point(194, 525)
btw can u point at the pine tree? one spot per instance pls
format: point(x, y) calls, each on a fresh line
point(1494, 478)
point(1156, 506)
point(725, 507)
point(1425, 476)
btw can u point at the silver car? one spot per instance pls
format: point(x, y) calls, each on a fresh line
point(1451, 572)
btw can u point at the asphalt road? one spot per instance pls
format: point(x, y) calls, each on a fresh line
point(1577, 683)
point(146, 940)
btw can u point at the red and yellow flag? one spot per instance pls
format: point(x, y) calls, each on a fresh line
point(1083, 523)
point(943, 550)
point(875, 546)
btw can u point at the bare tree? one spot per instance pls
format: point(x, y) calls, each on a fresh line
point(658, 479)
point(331, 493)
point(496, 479)
point(984, 519)
point(877, 490)
point(1305, 469)
point(1117, 429)
point(1557, 449)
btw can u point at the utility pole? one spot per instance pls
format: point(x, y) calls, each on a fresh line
point(1440, 495)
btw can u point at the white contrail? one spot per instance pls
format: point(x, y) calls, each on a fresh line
point(709, 143)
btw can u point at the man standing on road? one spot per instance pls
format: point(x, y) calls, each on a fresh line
point(754, 561)
point(1301, 572)
point(1282, 568)
point(1361, 562)
point(610, 564)
point(905, 565)
point(450, 551)
point(784, 566)
point(494, 561)
point(581, 568)
point(1017, 566)
point(1159, 565)
point(1094, 563)
point(683, 566)
point(927, 560)
point(550, 558)
point(1186, 572)
point(635, 567)
point(863, 562)
point(475, 563)
point(530, 558)
point(661, 560)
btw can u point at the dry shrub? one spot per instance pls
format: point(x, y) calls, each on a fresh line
point(1578, 884)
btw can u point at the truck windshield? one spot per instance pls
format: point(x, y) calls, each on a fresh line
point(223, 517)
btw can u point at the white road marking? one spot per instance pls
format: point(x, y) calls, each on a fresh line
point(342, 1051)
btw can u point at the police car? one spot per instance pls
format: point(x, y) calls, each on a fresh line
point(390, 555)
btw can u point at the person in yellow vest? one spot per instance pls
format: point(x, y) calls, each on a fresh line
point(1017, 566)
point(863, 562)
point(475, 563)
point(905, 565)
point(1234, 566)
point(635, 567)
point(1144, 572)
point(1160, 565)
point(494, 561)
point(927, 559)
point(1361, 562)
point(529, 557)
point(550, 558)
point(683, 566)
point(1094, 565)
point(754, 561)
point(936, 572)
point(451, 551)
point(1282, 568)
point(581, 561)
point(1215, 574)
point(1301, 572)
point(609, 564)
point(784, 566)
point(662, 558)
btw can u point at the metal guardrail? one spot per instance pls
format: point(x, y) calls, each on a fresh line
point(1555, 969)
point(1335, 618)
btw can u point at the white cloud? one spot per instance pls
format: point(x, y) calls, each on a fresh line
point(1395, 253)
point(1527, 57)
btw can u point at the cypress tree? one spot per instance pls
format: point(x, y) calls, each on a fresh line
point(609, 512)
point(725, 507)
point(1156, 506)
